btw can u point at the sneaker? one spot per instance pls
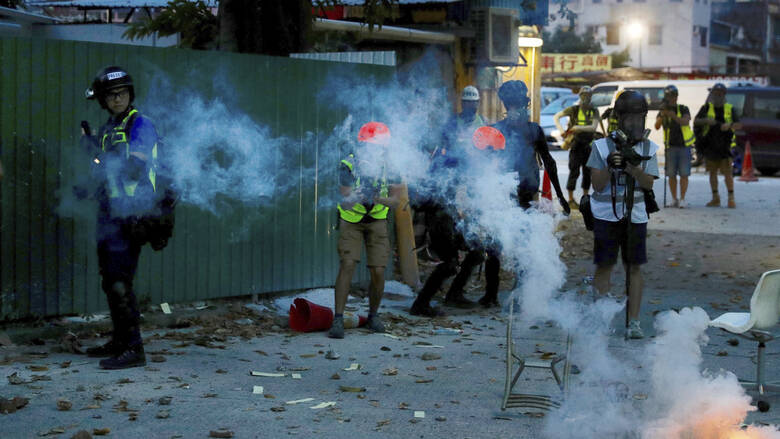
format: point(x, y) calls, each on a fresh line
point(425, 310)
point(110, 349)
point(634, 331)
point(458, 301)
point(375, 324)
point(675, 203)
point(683, 204)
point(732, 204)
point(337, 328)
point(131, 357)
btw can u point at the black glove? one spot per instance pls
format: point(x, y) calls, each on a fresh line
point(616, 161)
point(564, 204)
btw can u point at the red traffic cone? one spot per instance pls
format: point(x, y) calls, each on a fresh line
point(307, 317)
point(748, 173)
point(546, 186)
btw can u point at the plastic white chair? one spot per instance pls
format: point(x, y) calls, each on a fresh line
point(755, 326)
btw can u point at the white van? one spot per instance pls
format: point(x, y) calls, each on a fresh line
point(693, 94)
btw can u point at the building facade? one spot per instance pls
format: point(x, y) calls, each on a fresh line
point(669, 35)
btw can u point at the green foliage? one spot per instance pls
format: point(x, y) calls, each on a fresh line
point(567, 41)
point(193, 20)
point(620, 59)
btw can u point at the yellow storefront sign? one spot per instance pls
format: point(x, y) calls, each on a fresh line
point(575, 62)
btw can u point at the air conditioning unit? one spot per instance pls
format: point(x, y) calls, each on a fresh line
point(495, 36)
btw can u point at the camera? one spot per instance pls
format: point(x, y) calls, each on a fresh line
point(626, 149)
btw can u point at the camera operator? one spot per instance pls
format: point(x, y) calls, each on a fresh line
point(678, 140)
point(623, 167)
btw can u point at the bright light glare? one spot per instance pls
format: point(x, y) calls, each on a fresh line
point(529, 42)
point(635, 30)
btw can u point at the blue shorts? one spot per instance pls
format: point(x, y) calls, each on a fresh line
point(678, 161)
point(610, 236)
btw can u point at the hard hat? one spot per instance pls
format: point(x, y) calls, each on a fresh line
point(374, 132)
point(718, 87)
point(513, 93)
point(109, 78)
point(470, 93)
point(586, 90)
point(671, 90)
point(630, 102)
point(488, 136)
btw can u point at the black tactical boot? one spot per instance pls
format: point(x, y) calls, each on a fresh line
point(488, 301)
point(458, 301)
point(132, 356)
point(424, 310)
point(109, 349)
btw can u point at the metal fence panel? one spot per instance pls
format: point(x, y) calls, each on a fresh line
point(48, 261)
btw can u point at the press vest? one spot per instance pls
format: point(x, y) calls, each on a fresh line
point(601, 201)
point(612, 122)
point(727, 116)
point(116, 139)
point(688, 138)
point(358, 211)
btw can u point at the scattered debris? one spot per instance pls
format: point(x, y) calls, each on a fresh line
point(428, 356)
point(353, 366)
point(323, 405)
point(15, 379)
point(165, 400)
point(352, 389)
point(723, 354)
point(422, 381)
point(52, 432)
point(299, 401)
point(733, 342)
point(403, 406)
point(257, 390)
point(382, 423)
point(37, 368)
point(163, 414)
point(65, 364)
point(221, 433)
point(267, 374)
point(385, 348)
point(69, 342)
point(101, 431)
point(332, 355)
point(390, 372)
point(166, 309)
point(82, 434)
point(12, 405)
point(335, 376)
point(419, 414)
point(64, 405)
point(296, 376)
point(441, 418)
point(278, 409)
point(158, 359)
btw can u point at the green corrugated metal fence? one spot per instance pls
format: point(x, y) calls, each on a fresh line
point(49, 262)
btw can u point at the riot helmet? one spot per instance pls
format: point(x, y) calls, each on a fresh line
point(631, 112)
point(110, 78)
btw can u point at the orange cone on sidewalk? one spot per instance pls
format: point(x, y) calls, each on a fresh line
point(748, 173)
point(546, 187)
point(306, 316)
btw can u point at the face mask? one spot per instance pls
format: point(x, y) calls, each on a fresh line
point(634, 127)
point(517, 115)
point(468, 113)
point(718, 100)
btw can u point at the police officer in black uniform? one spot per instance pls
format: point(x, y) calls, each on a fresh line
point(134, 208)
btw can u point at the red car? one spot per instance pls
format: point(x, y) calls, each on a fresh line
point(759, 112)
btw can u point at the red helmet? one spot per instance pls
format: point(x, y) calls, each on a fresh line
point(374, 132)
point(488, 136)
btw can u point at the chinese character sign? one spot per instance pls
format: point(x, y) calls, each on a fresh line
point(575, 62)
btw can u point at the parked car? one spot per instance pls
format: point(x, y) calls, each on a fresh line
point(550, 94)
point(555, 137)
point(759, 112)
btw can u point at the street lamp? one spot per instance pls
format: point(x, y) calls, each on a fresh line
point(635, 32)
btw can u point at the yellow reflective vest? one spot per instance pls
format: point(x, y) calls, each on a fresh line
point(116, 139)
point(358, 211)
point(727, 116)
point(688, 138)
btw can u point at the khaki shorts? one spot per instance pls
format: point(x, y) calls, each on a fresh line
point(722, 165)
point(351, 237)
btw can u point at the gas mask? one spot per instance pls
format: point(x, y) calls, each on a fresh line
point(633, 125)
point(718, 99)
point(517, 114)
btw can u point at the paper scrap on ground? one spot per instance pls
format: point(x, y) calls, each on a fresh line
point(392, 336)
point(257, 390)
point(296, 376)
point(267, 374)
point(165, 307)
point(323, 405)
point(419, 414)
point(299, 401)
point(353, 366)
